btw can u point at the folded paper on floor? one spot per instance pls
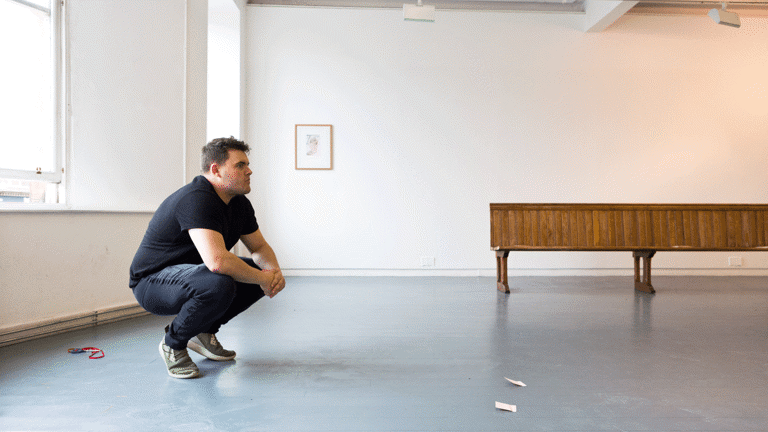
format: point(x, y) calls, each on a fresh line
point(506, 407)
point(517, 383)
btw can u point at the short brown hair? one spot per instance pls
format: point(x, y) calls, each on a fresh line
point(217, 151)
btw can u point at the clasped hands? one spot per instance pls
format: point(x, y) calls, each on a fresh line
point(274, 283)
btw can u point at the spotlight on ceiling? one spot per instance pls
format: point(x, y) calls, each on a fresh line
point(418, 12)
point(721, 16)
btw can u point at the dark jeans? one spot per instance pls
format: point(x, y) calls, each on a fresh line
point(202, 301)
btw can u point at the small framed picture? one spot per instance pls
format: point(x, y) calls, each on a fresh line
point(314, 147)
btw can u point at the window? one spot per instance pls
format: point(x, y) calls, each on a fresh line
point(30, 95)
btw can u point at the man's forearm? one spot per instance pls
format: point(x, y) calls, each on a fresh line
point(265, 258)
point(232, 265)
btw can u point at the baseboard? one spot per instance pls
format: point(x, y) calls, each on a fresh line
point(50, 327)
point(384, 272)
point(525, 272)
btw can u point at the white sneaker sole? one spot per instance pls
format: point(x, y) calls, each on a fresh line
point(196, 347)
point(162, 356)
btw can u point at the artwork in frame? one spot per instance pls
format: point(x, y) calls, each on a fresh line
point(314, 147)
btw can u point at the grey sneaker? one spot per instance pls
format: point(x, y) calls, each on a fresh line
point(207, 345)
point(178, 362)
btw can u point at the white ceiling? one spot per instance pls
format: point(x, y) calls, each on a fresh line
point(599, 14)
point(688, 7)
point(575, 6)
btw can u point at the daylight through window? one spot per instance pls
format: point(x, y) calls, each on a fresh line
point(30, 149)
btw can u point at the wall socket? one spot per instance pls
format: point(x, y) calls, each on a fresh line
point(734, 261)
point(427, 261)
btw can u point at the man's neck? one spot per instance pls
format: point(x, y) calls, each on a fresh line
point(219, 190)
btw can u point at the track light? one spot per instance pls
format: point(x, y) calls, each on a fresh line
point(721, 16)
point(418, 12)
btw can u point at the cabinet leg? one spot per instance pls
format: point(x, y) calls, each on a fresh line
point(501, 271)
point(643, 285)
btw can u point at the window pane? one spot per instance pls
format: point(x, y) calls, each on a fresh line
point(26, 88)
point(42, 3)
point(13, 191)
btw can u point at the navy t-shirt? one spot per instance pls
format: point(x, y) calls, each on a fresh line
point(195, 205)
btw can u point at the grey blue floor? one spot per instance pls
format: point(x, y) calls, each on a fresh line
point(424, 354)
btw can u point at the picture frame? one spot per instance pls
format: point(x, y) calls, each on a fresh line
point(313, 147)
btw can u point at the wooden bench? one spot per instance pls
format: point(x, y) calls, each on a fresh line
point(643, 229)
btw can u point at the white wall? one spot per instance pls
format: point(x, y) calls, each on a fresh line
point(127, 112)
point(59, 264)
point(434, 121)
point(134, 96)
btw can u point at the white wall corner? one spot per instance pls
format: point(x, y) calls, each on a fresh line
point(196, 85)
point(599, 14)
point(243, 70)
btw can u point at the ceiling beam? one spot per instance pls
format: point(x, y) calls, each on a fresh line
point(599, 14)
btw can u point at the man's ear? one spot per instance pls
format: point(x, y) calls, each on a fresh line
point(214, 170)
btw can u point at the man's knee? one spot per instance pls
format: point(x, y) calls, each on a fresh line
point(215, 287)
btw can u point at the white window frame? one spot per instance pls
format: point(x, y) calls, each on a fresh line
point(58, 97)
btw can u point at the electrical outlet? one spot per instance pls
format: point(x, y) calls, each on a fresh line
point(734, 261)
point(427, 261)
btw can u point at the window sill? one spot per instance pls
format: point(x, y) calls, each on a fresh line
point(31, 207)
point(61, 208)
